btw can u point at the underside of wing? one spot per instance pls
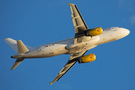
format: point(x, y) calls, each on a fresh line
point(79, 26)
point(17, 62)
point(73, 59)
point(78, 21)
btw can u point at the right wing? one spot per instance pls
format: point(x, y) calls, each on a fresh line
point(73, 59)
point(78, 21)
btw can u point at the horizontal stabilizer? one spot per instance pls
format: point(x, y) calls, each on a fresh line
point(17, 62)
point(21, 47)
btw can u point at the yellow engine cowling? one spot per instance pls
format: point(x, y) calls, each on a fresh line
point(94, 32)
point(87, 58)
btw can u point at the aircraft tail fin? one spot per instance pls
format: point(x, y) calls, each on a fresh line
point(21, 50)
point(21, 47)
point(12, 43)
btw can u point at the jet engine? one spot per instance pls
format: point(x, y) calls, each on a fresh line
point(90, 32)
point(87, 58)
point(94, 32)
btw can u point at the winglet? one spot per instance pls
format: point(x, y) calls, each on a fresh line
point(50, 83)
point(70, 4)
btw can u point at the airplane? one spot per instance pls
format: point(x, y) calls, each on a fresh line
point(84, 40)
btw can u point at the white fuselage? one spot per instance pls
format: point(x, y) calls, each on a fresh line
point(67, 46)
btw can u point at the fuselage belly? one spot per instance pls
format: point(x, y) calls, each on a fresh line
point(67, 46)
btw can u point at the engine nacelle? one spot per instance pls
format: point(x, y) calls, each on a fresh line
point(90, 32)
point(94, 32)
point(87, 58)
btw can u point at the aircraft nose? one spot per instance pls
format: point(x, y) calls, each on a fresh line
point(128, 31)
point(125, 31)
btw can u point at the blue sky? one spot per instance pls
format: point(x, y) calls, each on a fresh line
point(38, 22)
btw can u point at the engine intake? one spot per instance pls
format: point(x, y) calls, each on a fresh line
point(87, 58)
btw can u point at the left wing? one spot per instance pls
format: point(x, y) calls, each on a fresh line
point(73, 59)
